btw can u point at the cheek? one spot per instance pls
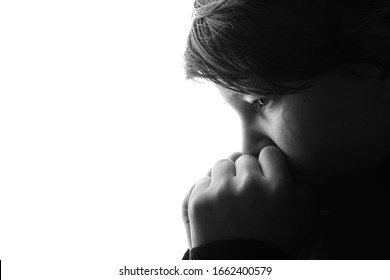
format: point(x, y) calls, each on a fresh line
point(317, 144)
point(305, 137)
point(291, 137)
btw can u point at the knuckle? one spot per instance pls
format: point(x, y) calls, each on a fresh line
point(235, 156)
point(202, 181)
point(245, 157)
point(223, 161)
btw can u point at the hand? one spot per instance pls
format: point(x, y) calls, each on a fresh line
point(248, 198)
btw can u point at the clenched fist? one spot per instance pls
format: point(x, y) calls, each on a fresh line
point(245, 197)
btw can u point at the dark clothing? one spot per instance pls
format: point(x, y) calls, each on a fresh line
point(235, 249)
point(353, 225)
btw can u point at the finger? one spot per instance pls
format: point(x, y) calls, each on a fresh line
point(196, 189)
point(185, 205)
point(185, 216)
point(233, 157)
point(247, 164)
point(200, 187)
point(223, 169)
point(273, 163)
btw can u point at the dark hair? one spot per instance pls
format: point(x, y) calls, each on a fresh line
point(251, 45)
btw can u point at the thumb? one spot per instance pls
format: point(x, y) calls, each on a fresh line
point(273, 163)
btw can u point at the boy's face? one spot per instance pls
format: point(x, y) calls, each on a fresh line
point(335, 128)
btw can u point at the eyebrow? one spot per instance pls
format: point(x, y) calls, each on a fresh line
point(243, 97)
point(234, 98)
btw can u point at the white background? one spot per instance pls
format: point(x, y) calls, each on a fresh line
point(101, 136)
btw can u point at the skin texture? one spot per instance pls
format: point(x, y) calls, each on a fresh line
point(249, 198)
point(337, 129)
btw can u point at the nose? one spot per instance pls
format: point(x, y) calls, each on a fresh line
point(254, 139)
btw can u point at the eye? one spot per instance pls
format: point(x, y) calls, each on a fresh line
point(261, 103)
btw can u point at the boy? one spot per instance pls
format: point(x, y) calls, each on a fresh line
point(310, 83)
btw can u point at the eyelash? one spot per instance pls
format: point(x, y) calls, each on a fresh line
point(261, 103)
